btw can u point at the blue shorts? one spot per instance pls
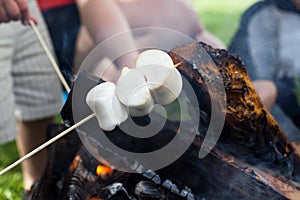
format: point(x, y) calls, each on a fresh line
point(63, 24)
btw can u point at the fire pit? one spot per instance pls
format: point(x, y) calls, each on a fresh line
point(253, 159)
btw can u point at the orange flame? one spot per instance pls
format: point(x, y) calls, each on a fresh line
point(103, 170)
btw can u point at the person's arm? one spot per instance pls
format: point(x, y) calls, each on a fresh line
point(267, 91)
point(14, 10)
point(281, 92)
point(103, 19)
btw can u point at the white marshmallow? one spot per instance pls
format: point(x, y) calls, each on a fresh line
point(104, 103)
point(163, 79)
point(132, 90)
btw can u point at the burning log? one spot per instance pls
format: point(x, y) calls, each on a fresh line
point(248, 125)
point(253, 158)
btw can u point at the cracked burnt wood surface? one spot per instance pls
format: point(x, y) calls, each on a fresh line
point(249, 127)
point(253, 158)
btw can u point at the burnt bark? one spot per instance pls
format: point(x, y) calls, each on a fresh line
point(250, 130)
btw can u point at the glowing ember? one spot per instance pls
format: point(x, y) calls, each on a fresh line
point(103, 170)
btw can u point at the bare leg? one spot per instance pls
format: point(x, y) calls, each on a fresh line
point(31, 135)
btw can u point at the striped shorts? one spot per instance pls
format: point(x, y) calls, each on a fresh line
point(29, 87)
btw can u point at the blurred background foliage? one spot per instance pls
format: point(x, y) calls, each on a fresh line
point(221, 17)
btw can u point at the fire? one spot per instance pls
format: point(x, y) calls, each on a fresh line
point(103, 170)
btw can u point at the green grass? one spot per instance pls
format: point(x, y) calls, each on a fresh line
point(220, 17)
point(11, 183)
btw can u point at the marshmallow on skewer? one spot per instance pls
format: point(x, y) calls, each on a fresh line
point(132, 90)
point(163, 79)
point(104, 103)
